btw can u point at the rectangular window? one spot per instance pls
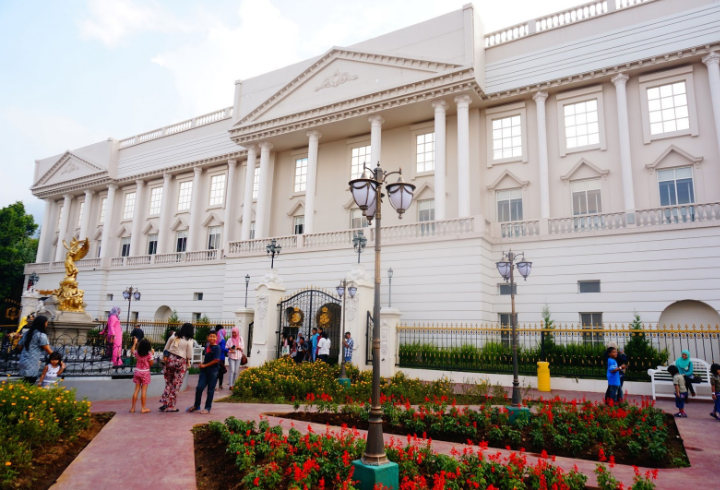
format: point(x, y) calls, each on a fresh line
point(125, 247)
point(357, 219)
point(196, 317)
point(217, 190)
point(298, 225)
point(214, 237)
point(504, 289)
point(425, 152)
point(156, 195)
point(129, 206)
point(505, 328)
point(360, 158)
point(582, 127)
point(81, 212)
point(426, 216)
point(252, 230)
point(197, 296)
point(586, 197)
point(181, 241)
point(668, 108)
point(109, 297)
point(152, 244)
point(591, 322)
point(256, 184)
point(103, 203)
point(676, 189)
point(301, 174)
point(184, 196)
point(507, 138)
point(589, 286)
point(509, 205)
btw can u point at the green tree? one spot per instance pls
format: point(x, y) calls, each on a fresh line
point(547, 341)
point(17, 247)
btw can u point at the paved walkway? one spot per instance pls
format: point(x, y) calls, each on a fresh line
point(155, 450)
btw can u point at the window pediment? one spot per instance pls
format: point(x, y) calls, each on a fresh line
point(507, 180)
point(212, 219)
point(150, 229)
point(672, 157)
point(424, 191)
point(584, 169)
point(295, 208)
point(179, 225)
point(122, 232)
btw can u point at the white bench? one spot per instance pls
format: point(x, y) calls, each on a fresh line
point(660, 376)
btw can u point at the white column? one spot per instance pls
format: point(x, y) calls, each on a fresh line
point(376, 123)
point(136, 241)
point(247, 194)
point(87, 213)
point(313, 137)
point(463, 156)
point(712, 61)
point(107, 225)
point(540, 99)
point(45, 233)
point(263, 201)
point(228, 225)
point(440, 191)
point(62, 227)
point(164, 225)
point(194, 228)
point(620, 82)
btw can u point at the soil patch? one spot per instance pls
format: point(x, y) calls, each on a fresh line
point(212, 462)
point(50, 462)
point(622, 456)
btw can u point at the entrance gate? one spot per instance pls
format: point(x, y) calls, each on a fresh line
point(300, 313)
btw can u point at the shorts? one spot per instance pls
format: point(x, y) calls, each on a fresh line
point(141, 378)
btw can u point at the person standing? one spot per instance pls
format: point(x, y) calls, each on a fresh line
point(302, 349)
point(114, 336)
point(348, 345)
point(136, 336)
point(141, 376)
point(314, 344)
point(208, 375)
point(685, 367)
point(179, 350)
point(324, 348)
point(681, 392)
point(613, 376)
point(235, 350)
point(32, 344)
point(715, 389)
point(220, 332)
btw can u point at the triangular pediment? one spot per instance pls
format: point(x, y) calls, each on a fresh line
point(150, 229)
point(343, 74)
point(584, 169)
point(179, 225)
point(69, 167)
point(424, 191)
point(212, 220)
point(507, 180)
point(295, 208)
point(122, 232)
point(672, 157)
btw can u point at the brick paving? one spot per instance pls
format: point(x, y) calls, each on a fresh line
point(155, 450)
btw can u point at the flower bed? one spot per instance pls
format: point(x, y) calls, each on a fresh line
point(30, 418)
point(266, 457)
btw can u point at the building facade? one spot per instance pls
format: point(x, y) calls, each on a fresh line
point(588, 139)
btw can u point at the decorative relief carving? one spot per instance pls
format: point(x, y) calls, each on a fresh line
point(351, 307)
point(69, 168)
point(336, 79)
point(261, 305)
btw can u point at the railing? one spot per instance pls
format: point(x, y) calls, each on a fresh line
point(687, 213)
point(198, 256)
point(515, 229)
point(556, 20)
point(117, 261)
point(84, 264)
point(250, 247)
point(572, 350)
point(195, 122)
point(590, 222)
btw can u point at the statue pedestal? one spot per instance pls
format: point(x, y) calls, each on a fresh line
point(70, 327)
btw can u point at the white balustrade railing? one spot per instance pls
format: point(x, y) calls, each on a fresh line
point(84, 264)
point(117, 262)
point(318, 240)
point(139, 260)
point(571, 16)
point(258, 246)
point(519, 229)
point(202, 256)
point(687, 213)
point(195, 122)
point(590, 222)
point(172, 258)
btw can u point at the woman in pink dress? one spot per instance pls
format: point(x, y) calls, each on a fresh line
point(114, 336)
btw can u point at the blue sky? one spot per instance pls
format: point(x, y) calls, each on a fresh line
point(75, 72)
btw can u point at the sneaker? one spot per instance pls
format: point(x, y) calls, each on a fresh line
point(678, 414)
point(714, 415)
point(683, 415)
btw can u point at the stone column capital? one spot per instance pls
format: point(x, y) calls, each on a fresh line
point(67, 197)
point(167, 177)
point(540, 96)
point(440, 106)
point(140, 183)
point(266, 146)
point(89, 193)
point(376, 120)
point(620, 79)
point(712, 59)
point(314, 134)
point(232, 163)
point(463, 100)
point(197, 171)
point(112, 187)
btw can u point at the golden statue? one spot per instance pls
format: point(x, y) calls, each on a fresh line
point(69, 296)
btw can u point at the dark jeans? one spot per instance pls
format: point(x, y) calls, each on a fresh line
point(30, 379)
point(208, 378)
point(680, 400)
point(612, 394)
point(324, 358)
point(688, 384)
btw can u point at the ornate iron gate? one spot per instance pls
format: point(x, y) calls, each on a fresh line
point(299, 313)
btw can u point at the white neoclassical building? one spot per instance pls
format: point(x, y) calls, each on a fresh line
point(588, 139)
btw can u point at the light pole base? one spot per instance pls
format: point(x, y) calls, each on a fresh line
point(515, 413)
point(345, 382)
point(388, 475)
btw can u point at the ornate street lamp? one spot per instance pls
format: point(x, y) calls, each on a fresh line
point(247, 283)
point(273, 249)
point(367, 193)
point(390, 274)
point(506, 268)
point(359, 242)
point(129, 294)
point(351, 290)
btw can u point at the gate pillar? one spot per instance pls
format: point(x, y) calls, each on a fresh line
point(268, 294)
point(389, 321)
point(356, 313)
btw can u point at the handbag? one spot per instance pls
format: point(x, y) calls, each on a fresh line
point(696, 379)
point(243, 359)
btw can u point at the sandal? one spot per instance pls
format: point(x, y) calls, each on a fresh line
point(191, 409)
point(203, 411)
point(163, 408)
point(171, 410)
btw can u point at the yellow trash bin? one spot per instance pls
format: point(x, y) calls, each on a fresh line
point(543, 376)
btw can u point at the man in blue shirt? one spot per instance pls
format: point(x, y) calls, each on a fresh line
point(348, 344)
point(313, 343)
point(208, 374)
point(613, 376)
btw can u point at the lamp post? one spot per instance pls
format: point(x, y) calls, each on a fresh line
point(367, 193)
point(351, 290)
point(247, 283)
point(129, 294)
point(273, 249)
point(390, 274)
point(359, 242)
point(506, 268)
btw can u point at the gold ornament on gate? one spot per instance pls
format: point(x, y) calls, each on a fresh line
point(69, 295)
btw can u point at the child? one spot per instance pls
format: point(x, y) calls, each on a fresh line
point(52, 371)
point(613, 376)
point(681, 392)
point(141, 377)
point(715, 388)
point(208, 374)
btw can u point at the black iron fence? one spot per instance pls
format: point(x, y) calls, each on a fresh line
point(572, 350)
